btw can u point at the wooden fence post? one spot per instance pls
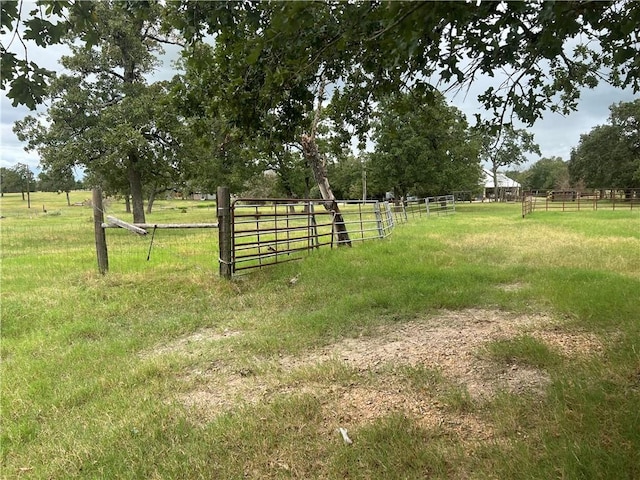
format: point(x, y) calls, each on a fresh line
point(101, 239)
point(223, 200)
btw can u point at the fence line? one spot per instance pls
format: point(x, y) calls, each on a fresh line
point(424, 207)
point(159, 245)
point(573, 200)
point(257, 232)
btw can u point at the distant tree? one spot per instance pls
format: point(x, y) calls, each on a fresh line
point(81, 184)
point(26, 181)
point(60, 179)
point(261, 185)
point(10, 181)
point(422, 147)
point(506, 148)
point(347, 177)
point(294, 179)
point(546, 174)
point(609, 155)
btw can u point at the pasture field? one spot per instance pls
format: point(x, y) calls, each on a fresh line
point(475, 345)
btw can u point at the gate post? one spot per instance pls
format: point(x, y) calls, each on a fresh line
point(223, 199)
point(101, 238)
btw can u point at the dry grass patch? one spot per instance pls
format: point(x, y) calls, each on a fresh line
point(432, 370)
point(513, 287)
point(548, 246)
point(190, 345)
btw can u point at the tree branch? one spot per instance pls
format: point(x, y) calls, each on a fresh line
point(111, 72)
point(165, 40)
point(396, 23)
point(317, 113)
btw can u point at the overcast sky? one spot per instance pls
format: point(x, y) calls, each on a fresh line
point(555, 133)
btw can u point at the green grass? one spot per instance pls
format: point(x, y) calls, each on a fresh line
point(95, 369)
point(524, 350)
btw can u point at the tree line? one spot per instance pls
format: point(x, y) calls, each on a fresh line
point(608, 156)
point(20, 179)
point(292, 88)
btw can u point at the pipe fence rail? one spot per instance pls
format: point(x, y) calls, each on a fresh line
point(267, 231)
point(424, 207)
point(574, 200)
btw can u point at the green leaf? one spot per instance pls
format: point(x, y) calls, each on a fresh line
point(8, 14)
point(8, 68)
point(26, 91)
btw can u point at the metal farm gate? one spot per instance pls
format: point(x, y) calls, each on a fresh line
point(267, 231)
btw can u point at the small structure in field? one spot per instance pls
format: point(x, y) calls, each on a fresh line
point(507, 188)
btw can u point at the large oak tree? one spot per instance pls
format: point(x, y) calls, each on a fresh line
point(609, 155)
point(103, 115)
point(423, 147)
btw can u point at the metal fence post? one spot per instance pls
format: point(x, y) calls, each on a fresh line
point(101, 238)
point(223, 199)
point(379, 220)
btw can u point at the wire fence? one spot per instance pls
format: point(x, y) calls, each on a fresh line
point(164, 248)
point(179, 234)
point(37, 246)
point(56, 239)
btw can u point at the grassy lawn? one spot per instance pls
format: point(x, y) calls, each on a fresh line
point(477, 345)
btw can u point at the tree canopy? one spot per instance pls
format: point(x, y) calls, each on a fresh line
point(609, 155)
point(423, 147)
point(545, 174)
point(549, 50)
point(277, 70)
point(18, 178)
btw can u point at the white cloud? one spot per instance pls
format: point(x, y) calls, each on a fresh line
point(555, 133)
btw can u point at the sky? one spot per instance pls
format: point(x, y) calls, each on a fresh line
point(555, 134)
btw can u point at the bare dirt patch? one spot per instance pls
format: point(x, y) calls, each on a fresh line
point(449, 344)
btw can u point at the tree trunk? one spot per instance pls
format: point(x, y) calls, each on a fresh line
point(152, 198)
point(135, 185)
point(127, 203)
point(494, 173)
point(316, 163)
point(68, 199)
